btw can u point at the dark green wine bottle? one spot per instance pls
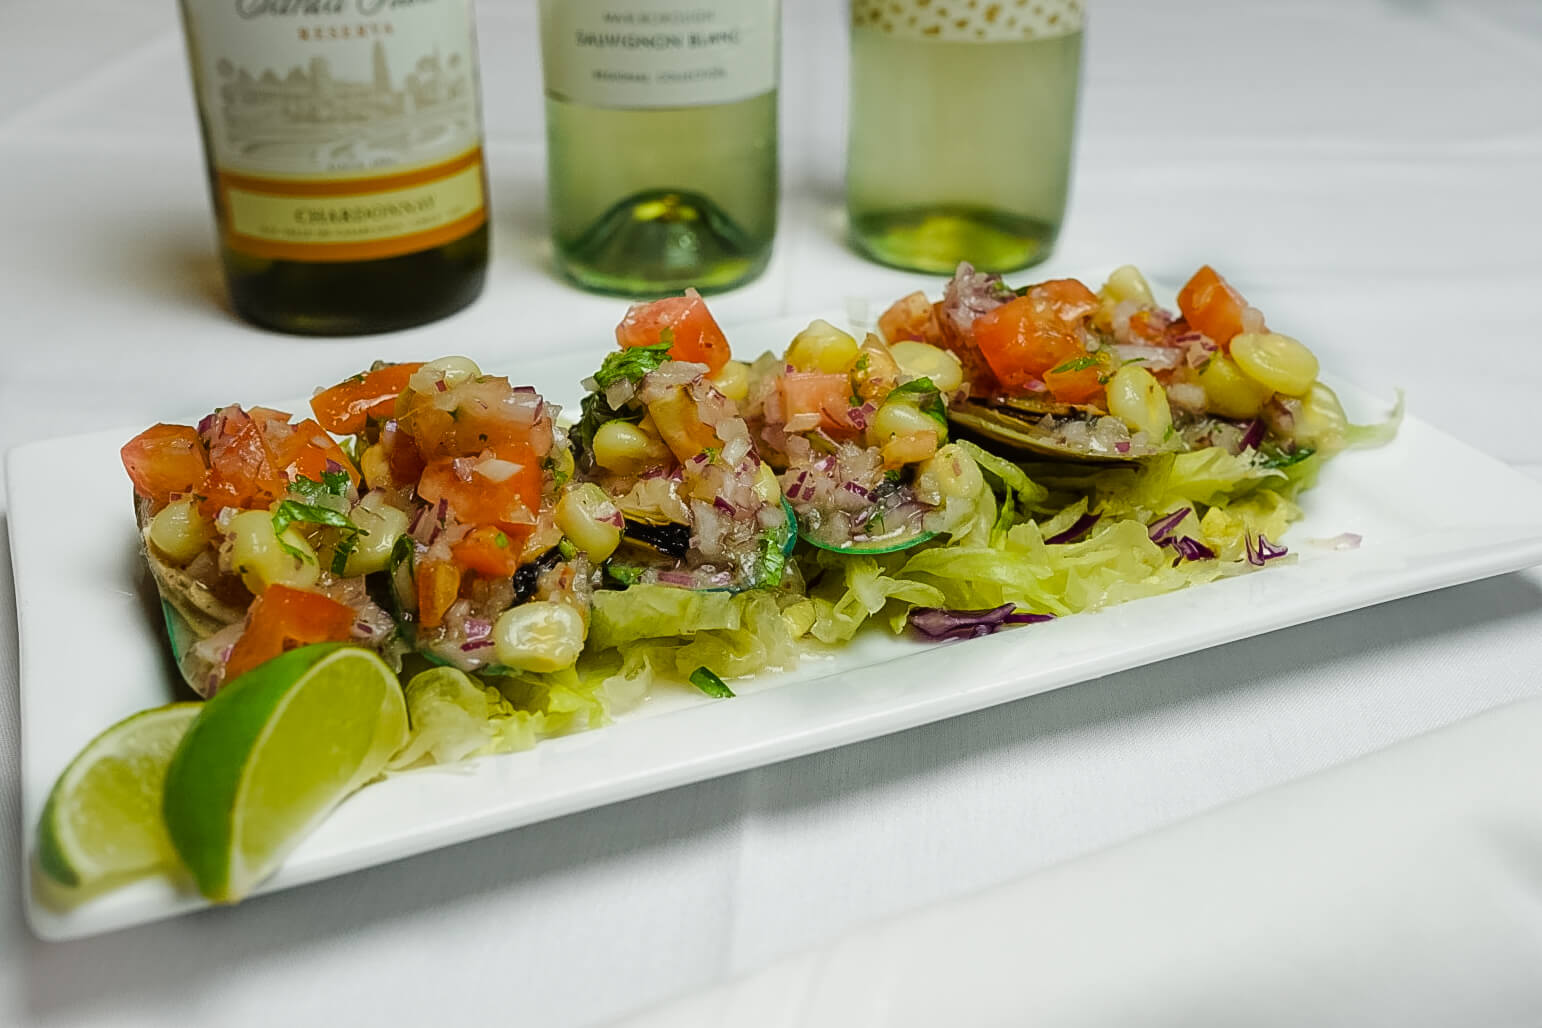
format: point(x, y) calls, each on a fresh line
point(343, 143)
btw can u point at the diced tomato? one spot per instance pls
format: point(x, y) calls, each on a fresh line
point(490, 550)
point(1021, 340)
point(483, 498)
point(306, 450)
point(242, 469)
point(165, 460)
point(281, 619)
point(488, 412)
point(910, 317)
point(1149, 327)
point(1212, 306)
point(347, 406)
point(695, 334)
point(1082, 379)
point(438, 587)
point(1069, 299)
point(812, 392)
point(401, 453)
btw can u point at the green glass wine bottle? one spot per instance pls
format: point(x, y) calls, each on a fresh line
point(343, 143)
point(661, 142)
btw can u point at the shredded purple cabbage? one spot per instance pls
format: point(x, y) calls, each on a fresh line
point(1161, 530)
point(1083, 524)
point(1192, 549)
point(1264, 551)
point(940, 623)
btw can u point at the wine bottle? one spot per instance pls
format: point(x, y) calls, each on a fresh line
point(661, 141)
point(343, 144)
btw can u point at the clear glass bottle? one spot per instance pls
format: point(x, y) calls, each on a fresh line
point(961, 126)
point(661, 141)
point(343, 142)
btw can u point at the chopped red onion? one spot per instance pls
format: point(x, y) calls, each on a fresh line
point(724, 506)
point(1122, 446)
point(1254, 435)
point(462, 466)
point(1083, 523)
point(940, 623)
point(680, 578)
point(440, 386)
point(363, 630)
point(478, 629)
point(1152, 358)
point(480, 644)
point(853, 487)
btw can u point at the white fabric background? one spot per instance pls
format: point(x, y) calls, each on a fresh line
point(1366, 171)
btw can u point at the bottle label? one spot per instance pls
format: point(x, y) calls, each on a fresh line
point(340, 130)
point(995, 21)
point(650, 53)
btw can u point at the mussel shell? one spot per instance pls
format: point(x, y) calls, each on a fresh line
point(1014, 424)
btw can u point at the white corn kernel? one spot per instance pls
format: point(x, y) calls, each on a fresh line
point(452, 371)
point(375, 466)
point(897, 418)
point(733, 381)
point(823, 347)
point(590, 520)
point(950, 472)
point(257, 556)
point(1127, 284)
point(539, 636)
point(1230, 393)
point(1283, 364)
point(626, 449)
point(380, 525)
point(923, 360)
point(180, 531)
point(1138, 399)
point(767, 486)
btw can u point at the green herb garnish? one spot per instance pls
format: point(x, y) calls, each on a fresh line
point(624, 574)
point(632, 364)
point(709, 683)
point(927, 398)
point(292, 512)
point(1077, 364)
point(1285, 460)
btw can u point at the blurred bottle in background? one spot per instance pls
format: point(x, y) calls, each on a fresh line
point(661, 141)
point(961, 126)
point(344, 153)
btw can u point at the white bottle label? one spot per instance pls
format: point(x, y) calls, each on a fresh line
point(340, 129)
point(650, 53)
point(978, 21)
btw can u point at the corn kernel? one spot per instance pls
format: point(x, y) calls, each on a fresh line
point(1126, 283)
point(1138, 399)
point(258, 557)
point(923, 360)
point(733, 381)
point(1277, 361)
point(625, 449)
point(588, 518)
point(951, 472)
point(823, 347)
point(380, 525)
point(1230, 393)
point(539, 636)
point(180, 531)
point(897, 418)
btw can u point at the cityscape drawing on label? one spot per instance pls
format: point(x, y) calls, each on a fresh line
point(312, 118)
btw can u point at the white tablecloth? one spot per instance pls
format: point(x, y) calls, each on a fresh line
point(1366, 171)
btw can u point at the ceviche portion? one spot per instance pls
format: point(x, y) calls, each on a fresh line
point(485, 544)
point(859, 434)
point(1057, 369)
point(668, 462)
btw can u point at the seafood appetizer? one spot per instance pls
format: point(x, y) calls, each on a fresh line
point(1057, 370)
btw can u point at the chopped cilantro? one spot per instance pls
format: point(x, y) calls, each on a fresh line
point(333, 483)
point(1077, 364)
point(624, 574)
point(567, 549)
point(1285, 460)
point(709, 683)
point(501, 541)
point(632, 364)
point(927, 398)
point(292, 512)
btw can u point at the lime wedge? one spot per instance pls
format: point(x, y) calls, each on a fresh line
point(103, 817)
point(272, 754)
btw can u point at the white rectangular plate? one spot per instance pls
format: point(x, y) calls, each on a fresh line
point(81, 594)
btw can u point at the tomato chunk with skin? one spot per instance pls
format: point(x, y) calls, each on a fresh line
point(306, 451)
point(490, 550)
point(164, 461)
point(242, 472)
point(281, 619)
point(487, 494)
point(910, 317)
point(828, 395)
point(1210, 305)
point(694, 334)
point(346, 407)
point(1025, 340)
